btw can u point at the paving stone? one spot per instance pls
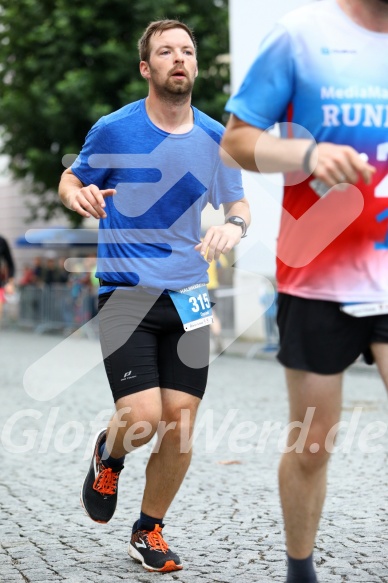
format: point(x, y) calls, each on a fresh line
point(226, 520)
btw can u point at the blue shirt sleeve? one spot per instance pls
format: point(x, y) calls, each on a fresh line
point(95, 143)
point(226, 186)
point(267, 89)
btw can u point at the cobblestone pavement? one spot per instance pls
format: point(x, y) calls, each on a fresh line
point(225, 522)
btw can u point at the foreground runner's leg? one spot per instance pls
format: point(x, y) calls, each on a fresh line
point(302, 476)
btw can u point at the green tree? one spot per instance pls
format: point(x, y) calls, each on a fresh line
point(65, 64)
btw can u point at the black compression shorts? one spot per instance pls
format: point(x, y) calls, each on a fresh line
point(141, 340)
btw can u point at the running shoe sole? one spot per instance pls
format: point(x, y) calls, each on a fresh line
point(167, 568)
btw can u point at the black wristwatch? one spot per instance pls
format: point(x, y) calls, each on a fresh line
point(239, 222)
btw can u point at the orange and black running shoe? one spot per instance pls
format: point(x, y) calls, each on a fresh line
point(99, 492)
point(152, 551)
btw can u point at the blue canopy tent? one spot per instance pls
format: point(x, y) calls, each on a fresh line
point(55, 237)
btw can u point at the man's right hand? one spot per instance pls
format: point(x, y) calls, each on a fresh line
point(89, 201)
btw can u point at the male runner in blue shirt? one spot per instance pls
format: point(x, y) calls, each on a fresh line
point(159, 158)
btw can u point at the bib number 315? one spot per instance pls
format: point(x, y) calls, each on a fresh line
point(193, 306)
point(201, 302)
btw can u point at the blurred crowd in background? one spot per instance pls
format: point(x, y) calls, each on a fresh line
point(51, 270)
point(48, 296)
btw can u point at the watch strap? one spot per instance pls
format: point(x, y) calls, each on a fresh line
point(239, 222)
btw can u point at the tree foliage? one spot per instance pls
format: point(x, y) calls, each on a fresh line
point(65, 64)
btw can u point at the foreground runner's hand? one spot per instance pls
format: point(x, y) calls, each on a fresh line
point(335, 164)
point(219, 239)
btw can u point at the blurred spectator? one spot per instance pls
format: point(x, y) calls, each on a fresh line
point(50, 272)
point(38, 270)
point(28, 276)
point(63, 274)
point(93, 284)
point(214, 269)
point(7, 272)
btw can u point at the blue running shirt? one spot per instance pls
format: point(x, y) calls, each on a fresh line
point(163, 183)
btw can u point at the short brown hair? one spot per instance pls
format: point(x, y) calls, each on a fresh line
point(157, 27)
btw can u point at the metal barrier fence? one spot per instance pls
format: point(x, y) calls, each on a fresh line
point(225, 310)
point(65, 307)
point(62, 307)
point(55, 307)
point(224, 307)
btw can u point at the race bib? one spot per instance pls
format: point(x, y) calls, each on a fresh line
point(193, 306)
point(365, 309)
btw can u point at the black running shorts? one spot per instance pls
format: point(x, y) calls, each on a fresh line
point(316, 336)
point(142, 345)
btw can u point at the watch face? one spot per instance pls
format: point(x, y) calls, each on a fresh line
point(236, 221)
point(239, 222)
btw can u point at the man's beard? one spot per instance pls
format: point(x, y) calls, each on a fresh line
point(174, 92)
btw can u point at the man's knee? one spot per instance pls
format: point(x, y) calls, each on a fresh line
point(314, 454)
point(181, 415)
point(177, 424)
point(135, 426)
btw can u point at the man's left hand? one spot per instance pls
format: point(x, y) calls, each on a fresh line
point(219, 239)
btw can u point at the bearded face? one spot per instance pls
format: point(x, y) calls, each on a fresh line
point(172, 65)
point(177, 81)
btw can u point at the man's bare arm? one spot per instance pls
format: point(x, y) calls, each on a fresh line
point(222, 238)
point(85, 200)
point(239, 208)
point(256, 150)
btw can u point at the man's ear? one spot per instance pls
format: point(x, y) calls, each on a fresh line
point(144, 70)
point(196, 71)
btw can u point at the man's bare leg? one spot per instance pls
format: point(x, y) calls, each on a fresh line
point(138, 417)
point(302, 476)
point(169, 463)
point(380, 353)
point(135, 421)
point(165, 471)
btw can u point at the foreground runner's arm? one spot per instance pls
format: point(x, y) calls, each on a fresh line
point(256, 150)
point(85, 200)
point(222, 238)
